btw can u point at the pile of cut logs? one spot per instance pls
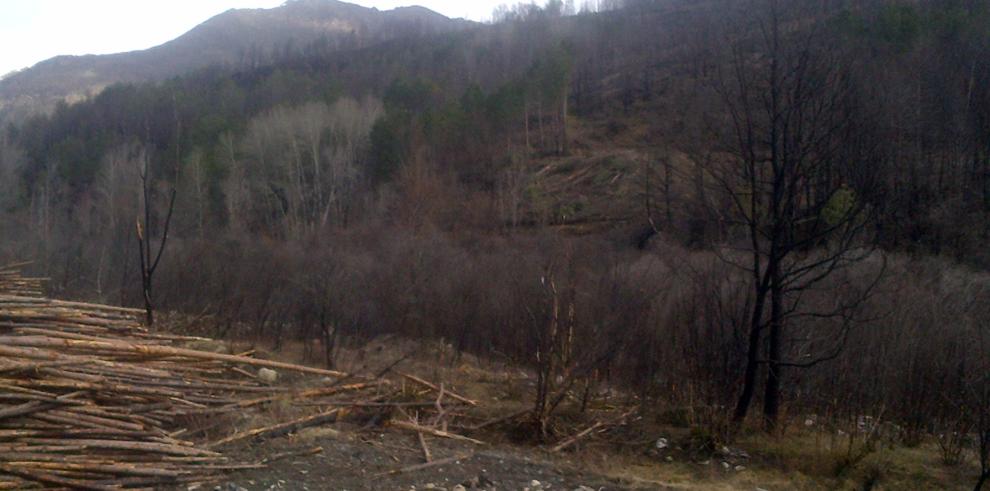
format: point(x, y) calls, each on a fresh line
point(12, 283)
point(90, 399)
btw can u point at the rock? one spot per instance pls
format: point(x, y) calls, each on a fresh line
point(740, 468)
point(483, 481)
point(669, 458)
point(661, 443)
point(726, 466)
point(268, 375)
point(733, 454)
point(458, 488)
point(583, 488)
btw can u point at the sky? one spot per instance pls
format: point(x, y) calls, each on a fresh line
point(35, 30)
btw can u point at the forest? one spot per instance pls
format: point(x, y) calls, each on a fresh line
point(755, 209)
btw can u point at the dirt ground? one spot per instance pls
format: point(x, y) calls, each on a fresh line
point(375, 460)
point(360, 453)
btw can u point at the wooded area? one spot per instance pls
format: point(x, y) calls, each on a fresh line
point(711, 204)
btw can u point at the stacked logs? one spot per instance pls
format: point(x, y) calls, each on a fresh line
point(12, 283)
point(90, 399)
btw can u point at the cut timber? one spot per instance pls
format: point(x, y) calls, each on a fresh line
point(433, 431)
point(161, 448)
point(45, 302)
point(435, 463)
point(591, 429)
point(286, 455)
point(151, 350)
point(283, 428)
point(495, 421)
point(51, 479)
point(445, 391)
point(91, 399)
point(306, 394)
point(426, 448)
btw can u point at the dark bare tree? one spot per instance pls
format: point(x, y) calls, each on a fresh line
point(791, 177)
point(149, 261)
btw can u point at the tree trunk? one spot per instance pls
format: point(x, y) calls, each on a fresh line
point(981, 482)
point(563, 126)
point(752, 359)
point(771, 397)
point(667, 185)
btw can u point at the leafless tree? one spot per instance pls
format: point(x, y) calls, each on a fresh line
point(788, 123)
point(149, 259)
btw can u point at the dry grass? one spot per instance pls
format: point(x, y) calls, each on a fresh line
point(800, 459)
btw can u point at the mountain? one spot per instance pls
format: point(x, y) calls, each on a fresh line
point(238, 36)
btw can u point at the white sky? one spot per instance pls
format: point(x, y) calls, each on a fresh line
point(35, 30)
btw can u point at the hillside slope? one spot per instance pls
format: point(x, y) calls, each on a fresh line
point(235, 37)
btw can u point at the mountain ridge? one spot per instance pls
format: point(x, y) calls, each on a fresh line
point(236, 36)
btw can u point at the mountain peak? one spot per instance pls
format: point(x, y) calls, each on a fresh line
point(223, 39)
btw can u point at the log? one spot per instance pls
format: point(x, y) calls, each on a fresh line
point(282, 428)
point(500, 419)
point(155, 350)
point(433, 431)
point(286, 455)
point(425, 383)
point(90, 399)
point(51, 479)
point(435, 463)
point(589, 430)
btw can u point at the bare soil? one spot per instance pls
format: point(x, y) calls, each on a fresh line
point(372, 460)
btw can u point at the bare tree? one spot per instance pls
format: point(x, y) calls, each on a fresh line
point(791, 177)
point(300, 165)
point(976, 393)
point(150, 261)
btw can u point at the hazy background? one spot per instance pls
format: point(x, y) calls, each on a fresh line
point(35, 30)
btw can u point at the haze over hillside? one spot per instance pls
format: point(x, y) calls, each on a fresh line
point(238, 36)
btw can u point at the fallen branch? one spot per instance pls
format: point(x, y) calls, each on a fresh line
point(405, 425)
point(589, 430)
point(286, 455)
point(500, 419)
point(282, 428)
point(449, 393)
point(435, 463)
point(426, 449)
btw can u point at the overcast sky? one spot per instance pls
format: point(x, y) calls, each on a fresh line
point(35, 30)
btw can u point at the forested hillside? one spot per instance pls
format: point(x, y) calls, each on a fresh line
point(716, 204)
point(238, 37)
